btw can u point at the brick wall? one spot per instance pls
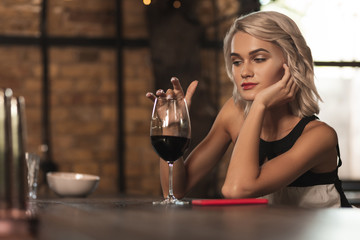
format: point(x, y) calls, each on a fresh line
point(20, 69)
point(83, 112)
point(83, 88)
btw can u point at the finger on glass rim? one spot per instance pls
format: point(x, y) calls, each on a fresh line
point(176, 84)
point(160, 93)
point(170, 94)
point(151, 96)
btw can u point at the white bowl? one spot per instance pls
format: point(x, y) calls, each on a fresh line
point(66, 184)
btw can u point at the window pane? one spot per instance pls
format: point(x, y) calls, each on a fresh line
point(329, 26)
point(339, 90)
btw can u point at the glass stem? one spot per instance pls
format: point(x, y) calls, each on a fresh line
point(171, 193)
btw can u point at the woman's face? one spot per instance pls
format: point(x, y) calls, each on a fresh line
point(256, 64)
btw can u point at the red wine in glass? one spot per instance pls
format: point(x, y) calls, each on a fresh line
point(170, 148)
point(170, 132)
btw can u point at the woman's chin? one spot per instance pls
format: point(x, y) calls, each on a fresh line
point(247, 96)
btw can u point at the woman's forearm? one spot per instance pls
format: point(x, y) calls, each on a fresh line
point(244, 169)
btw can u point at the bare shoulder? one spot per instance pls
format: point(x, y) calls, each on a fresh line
point(230, 111)
point(229, 104)
point(319, 130)
point(231, 117)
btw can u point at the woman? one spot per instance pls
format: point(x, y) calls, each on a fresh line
point(281, 151)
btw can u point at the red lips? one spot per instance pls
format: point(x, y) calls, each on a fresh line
point(248, 85)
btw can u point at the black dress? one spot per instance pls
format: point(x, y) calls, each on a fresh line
point(311, 190)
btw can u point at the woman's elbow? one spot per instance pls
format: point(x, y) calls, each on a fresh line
point(235, 191)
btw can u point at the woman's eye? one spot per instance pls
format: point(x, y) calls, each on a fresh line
point(236, 63)
point(259, 60)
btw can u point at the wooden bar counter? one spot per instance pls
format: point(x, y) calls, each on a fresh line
point(135, 218)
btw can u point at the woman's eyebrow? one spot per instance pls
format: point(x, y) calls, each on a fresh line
point(258, 50)
point(234, 54)
point(251, 52)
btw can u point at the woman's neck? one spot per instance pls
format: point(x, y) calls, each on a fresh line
point(278, 122)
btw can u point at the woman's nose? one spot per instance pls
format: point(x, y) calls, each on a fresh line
point(246, 71)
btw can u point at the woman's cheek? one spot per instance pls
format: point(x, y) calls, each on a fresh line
point(272, 75)
point(237, 80)
point(238, 86)
point(280, 73)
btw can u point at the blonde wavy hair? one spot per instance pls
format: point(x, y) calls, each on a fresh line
point(282, 31)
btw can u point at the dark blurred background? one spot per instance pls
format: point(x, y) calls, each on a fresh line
point(84, 68)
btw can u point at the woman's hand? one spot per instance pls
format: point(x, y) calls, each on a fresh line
point(176, 92)
point(282, 92)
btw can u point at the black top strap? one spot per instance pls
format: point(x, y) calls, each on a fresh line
point(338, 153)
point(272, 149)
point(338, 183)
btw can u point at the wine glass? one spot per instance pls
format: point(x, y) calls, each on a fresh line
point(170, 133)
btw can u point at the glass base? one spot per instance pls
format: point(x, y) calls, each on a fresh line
point(171, 201)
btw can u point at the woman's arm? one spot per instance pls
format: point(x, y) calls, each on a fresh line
point(202, 159)
point(315, 149)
